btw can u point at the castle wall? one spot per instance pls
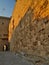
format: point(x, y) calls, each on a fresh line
point(30, 34)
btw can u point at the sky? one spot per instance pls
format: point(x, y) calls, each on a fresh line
point(6, 7)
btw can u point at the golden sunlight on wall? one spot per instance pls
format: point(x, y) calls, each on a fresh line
point(40, 9)
point(21, 6)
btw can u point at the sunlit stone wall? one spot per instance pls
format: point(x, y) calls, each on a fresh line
point(29, 27)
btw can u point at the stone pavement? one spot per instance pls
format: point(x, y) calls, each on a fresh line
point(9, 58)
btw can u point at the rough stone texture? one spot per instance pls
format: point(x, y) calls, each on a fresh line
point(31, 36)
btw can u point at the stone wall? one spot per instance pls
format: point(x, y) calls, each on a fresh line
point(31, 36)
point(4, 25)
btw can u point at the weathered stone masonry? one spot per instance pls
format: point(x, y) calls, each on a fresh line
point(31, 36)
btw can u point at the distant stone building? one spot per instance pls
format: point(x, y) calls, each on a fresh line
point(29, 27)
point(4, 25)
